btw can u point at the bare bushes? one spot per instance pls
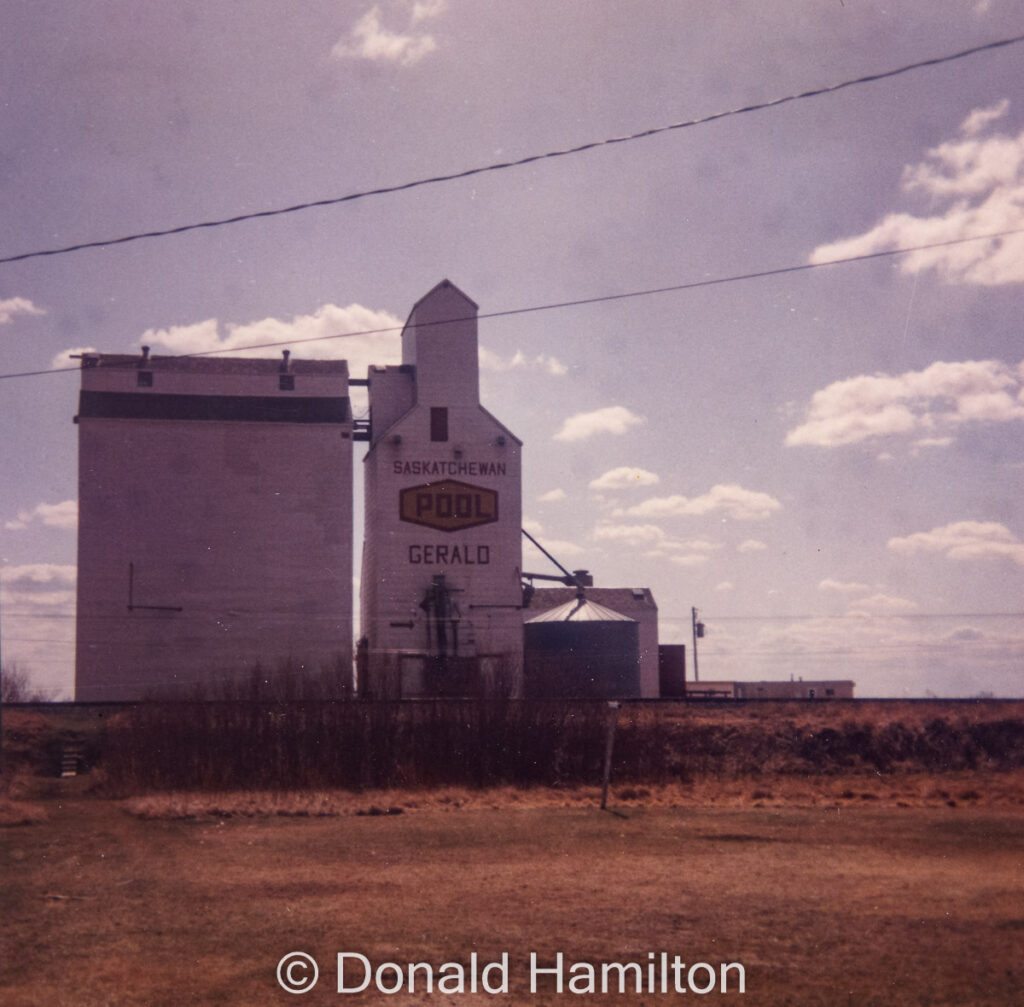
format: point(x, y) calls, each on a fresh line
point(354, 745)
point(16, 686)
point(936, 746)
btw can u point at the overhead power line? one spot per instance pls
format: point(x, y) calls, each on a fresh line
point(519, 162)
point(710, 620)
point(844, 617)
point(583, 301)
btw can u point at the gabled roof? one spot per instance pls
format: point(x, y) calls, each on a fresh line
point(445, 286)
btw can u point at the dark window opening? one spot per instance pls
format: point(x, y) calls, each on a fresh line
point(438, 423)
point(145, 379)
point(286, 382)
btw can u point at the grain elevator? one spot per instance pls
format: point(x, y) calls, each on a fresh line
point(215, 539)
point(441, 593)
point(215, 523)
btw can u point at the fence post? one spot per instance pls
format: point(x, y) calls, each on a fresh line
point(609, 743)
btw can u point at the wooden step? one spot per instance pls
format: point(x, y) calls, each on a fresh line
point(71, 758)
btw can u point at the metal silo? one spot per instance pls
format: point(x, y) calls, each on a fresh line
point(582, 649)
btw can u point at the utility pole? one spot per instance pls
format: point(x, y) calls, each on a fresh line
point(698, 633)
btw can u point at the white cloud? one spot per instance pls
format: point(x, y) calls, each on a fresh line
point(11, 307)
point(424, 10)
point(843, 587)
point(751, 545)
point(609, 420)
point(623, 478)
point(31, 575)
point(38, 586)
point(535, 561)
point(64, 358)
point(725, 586)
point(61, 515)
point(656, 544)
point(981, 182)
point(964, 540)
point(306, 335)
point(881, 604)
point(734, 501)
point(551, 365)
point(982, 117)
point(38, 605)
point(630, 534)
point(838, 638)
point(886, 654)
point(690, 552)
point(40, 599)
point(877, 604)
point(370, 39)
point(940, 398)
point(559, 548)
point(532, 527)
point(491, 361)
point(552, 496)
point(691, 545)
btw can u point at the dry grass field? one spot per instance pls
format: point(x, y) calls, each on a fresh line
point(841, 888)
point(850, 905)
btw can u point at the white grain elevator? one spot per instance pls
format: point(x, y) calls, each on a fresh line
point(215, 530)
point(215, 524)
point(440, 595)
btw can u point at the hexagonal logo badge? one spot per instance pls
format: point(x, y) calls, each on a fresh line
point(448, 505)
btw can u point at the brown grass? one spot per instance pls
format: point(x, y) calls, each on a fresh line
point(904, 790)
point(20, 812)
point(843, 885)
point(776, 841)
point(880, 712)
point(850, 904)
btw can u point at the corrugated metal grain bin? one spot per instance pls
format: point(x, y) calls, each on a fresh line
point(582, 650)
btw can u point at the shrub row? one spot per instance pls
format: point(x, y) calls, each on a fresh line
point(352, 745)
point(362, 745)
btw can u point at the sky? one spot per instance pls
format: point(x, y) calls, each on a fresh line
point(826, 463)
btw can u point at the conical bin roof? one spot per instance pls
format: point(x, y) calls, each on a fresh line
point(580, 610)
